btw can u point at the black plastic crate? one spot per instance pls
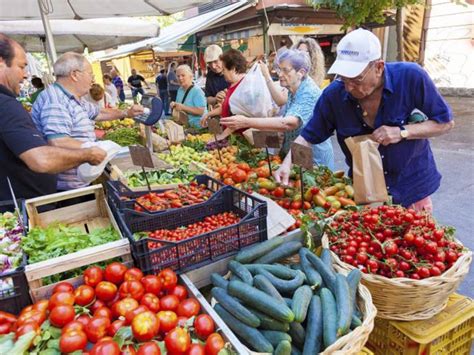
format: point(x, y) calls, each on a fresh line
point(120, 197)
point(14, 299)
point(203, 249)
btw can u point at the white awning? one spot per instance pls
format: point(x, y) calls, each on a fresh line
point(170, 35)
point(75, 35)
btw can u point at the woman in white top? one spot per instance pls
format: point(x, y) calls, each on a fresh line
point(97, 96)
point(111, 90)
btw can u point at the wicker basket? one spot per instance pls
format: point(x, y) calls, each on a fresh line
point(407, 299)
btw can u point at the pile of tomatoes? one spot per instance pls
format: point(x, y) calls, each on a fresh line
point(393, 241)
point(183, 195)
point(120, 311)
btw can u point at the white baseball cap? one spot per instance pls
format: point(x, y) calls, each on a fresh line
point(354, 52)
point(212, 53)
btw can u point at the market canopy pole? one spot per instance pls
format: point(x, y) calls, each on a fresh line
point(44, 11)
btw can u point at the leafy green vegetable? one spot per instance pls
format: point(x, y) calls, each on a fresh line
point(22, 344)
point(124, 136)
point(58, 239)
point(160, 177)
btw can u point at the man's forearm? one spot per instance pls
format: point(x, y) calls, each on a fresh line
point(65, 142)
point(110, 114)
point(428, 129)
point(53, 160)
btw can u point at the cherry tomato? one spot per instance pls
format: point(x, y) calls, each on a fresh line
point(84, 295)
point(133, 274)
point(73, 340)
point(177, 340)
point(63, 287)
point(106, 347)
point(97, 329)
point(168, 320)
point(105, 291)
point(61, 315)
point(151, 301)
point(214, 344)
point(145, 326)
point(115, 272)
point(149, 348)
point(169, 303)
point(168, 279)
point(93, 275)
point(189, 307)
point(133, 289)
point(120, 308)
point(203, 326)
point(61, 298)
point(152, 284)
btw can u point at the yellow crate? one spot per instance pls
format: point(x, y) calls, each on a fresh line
point(448, 333)
point(365, 351)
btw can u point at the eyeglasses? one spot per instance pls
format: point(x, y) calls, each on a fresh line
point(86, 72)
point(285, 71)
point(359, 79)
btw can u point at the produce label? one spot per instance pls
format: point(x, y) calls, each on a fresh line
point(302, 156)
point(214, 126)
point(262, 139)
point(141, 156)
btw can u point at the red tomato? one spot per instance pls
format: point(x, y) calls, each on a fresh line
point(168, 320)
point(149, 348)
point(178, 341)
point(133, 274)
point(106, 347)
point(168, 279)
point(63, 287)
point(115, 326)
point(120, 308)
point(145, 326)
point(152, 284)
point(204, 326)
point(105, 291)
point(41, 306)
point(151, 301)
point(34, 316)
point(128, 350)
point(61, 298)
point(133, 289)
point(71, 341)
point(26, 328)
point(62, 315)
point(196, 349)
point(239, 175)
point(169, 303)
point(179, 291)
point(104, 312)
point(84, 319)
point(97, 304)
point(189, 307)
point(115, 272)
point(133, 313)
point(5, 328)
point(84, 295)
point(214, 344)
point(75, 325)
point(93, 275)
point(97, 328)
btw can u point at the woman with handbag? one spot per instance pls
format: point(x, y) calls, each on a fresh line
point(190, 99)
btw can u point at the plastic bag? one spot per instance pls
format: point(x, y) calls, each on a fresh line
point(87, 172)
point(252, 97)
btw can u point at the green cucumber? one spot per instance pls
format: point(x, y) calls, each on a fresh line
point(275, 337)
point(263, 284)
point(284, 348)
point(345, 306)
point(295, 350)
point(326, 258)
point(251, 335)
point(288, 301)
point(284, 286)
point(234, 277)
point(355, 322)
point(280, 271)
point(314, 326)
point(300, 302)
point(328, 276)
point(218, 281)
point(283, 251)
point(233, 306)
point(254, 252)
point(269, 323)
point(239, 270)
point(312, 276)
point(260, 300)
point(353, 279)
point(297, 334)
point(328, 304)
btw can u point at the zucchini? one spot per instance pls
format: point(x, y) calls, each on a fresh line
point(312, 276)
point(234, 277)
point(326, 258)
point(263, 284)
point(295, 350)
point(283, 251)
point(275, 337)
point(314, 326)
point(284, 286)
point(269, 323)
point(254, 252)
point(353, 279)
point(355, 322)
point(284, 348)
point(251, 335)
point(345, 306)
point(328, 276)
point(280, 271)
point(328, 305)
point(239, 270)
point(260, 300)
point(297, 334)
point(288, 301)
point(218, 281)
point(232, 306)
point(300, 302)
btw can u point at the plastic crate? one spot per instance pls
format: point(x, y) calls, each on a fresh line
point(448, 333)
point(14, 299)
point(120, 197)
point(203, 249)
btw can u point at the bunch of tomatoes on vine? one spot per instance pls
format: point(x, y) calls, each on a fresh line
point(119, 310)
point(393, 241)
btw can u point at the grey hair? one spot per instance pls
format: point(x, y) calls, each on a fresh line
point(67, 63)
point(318, 70)
point(186, 68)
point(299, 60)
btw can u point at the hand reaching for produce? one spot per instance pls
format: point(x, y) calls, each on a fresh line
point(386, 135)
point(204, 119)
point(135, 111)
point(282, 175)
point(235, 122)
point(177, 106)
point(221, 95)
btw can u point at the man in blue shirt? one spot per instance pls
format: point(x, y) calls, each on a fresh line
point(377, 98)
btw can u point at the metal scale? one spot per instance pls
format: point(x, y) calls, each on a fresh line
point(153, 109)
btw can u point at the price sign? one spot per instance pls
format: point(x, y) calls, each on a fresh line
point(302, 156)
point(266, 139)
point(214, 126)
point(141, 156)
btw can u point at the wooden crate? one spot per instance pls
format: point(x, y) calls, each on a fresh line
point(87, 216)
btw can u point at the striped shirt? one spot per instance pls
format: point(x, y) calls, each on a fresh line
point(57, 113)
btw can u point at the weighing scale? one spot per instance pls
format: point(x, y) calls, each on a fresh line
point(153, 109)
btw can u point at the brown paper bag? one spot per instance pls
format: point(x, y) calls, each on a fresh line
point(367, 170)
point(174, 131)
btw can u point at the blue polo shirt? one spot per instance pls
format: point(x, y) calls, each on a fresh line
point(409, 166)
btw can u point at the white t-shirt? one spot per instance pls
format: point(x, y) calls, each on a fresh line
point(112, 91)
point(101, 103)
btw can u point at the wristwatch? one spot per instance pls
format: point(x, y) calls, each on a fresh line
point(403, 133)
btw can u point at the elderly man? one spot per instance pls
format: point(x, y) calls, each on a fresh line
point(25, 156)
point(64, 118)
point(377, 98)
point(216, 85)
